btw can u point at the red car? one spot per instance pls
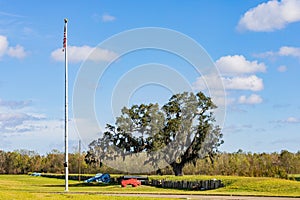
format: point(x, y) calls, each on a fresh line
point(132, 181)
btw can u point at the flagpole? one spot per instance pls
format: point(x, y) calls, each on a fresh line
point(66, 108)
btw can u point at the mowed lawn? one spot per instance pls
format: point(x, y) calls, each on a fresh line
point(23, 187)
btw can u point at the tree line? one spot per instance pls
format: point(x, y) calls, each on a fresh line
point(237, 164)
point(25, 161)
point(249, 164)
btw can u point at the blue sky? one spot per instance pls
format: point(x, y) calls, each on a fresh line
point(255, 45)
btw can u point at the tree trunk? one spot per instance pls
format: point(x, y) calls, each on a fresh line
point(177, 168)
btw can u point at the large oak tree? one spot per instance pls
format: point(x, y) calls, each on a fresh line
point(182, 131)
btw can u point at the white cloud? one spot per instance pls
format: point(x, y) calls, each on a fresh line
point(289, 120)
point(292, 120)
point(82, 53)
point(289, 51)
point(202, 81)
point(270, 16)
point(103, 18)
point(268, 54)
point(3, 45)
point(16, 113)
point(16, 52)
point(282, 68)
point(15, 104)
point(237, 64)
point(108, 18)
point(252, 99)
point(11, 122)
point(10, 14)
point(252, 83)
point(283, 51)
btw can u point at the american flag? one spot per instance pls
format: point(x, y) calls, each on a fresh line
point(65, 39)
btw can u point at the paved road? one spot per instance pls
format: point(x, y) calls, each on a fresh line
point(205, 197)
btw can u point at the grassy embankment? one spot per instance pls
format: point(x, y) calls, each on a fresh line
point(23, 187)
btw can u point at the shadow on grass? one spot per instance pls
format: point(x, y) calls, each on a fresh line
point(297, 178)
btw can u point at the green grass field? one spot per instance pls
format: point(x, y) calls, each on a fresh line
point(23, 187)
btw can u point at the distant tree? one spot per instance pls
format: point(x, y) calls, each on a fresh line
point(76, 161)
point(2, 162)
point(183, 129)
point(287, 158)
point(12, 162)
point(53, 162)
